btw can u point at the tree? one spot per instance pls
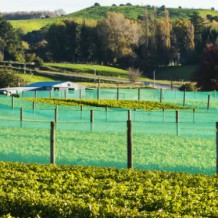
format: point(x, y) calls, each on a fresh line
point(97, 4)
point(9, 41)
point(118, 36)
point(207, 74)
point(8, 78)
point(183, 31)
point(163, 42)
point(199, 26)
point(134, 74)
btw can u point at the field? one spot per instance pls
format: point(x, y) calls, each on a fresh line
point(37, 24)
point(70, 191)
point(97, 70)
point(28, 78)
point(174, 164)
point(95, 13)
point(178, 73)
point(92, 14)
point(159, 143)
point(105, 146)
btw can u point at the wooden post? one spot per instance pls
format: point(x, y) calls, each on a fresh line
point(98, 94)
point(216, 147)
point(51, 93)
point(161, 95)
point(52, 143)
point(194, 110)
point(80, 93)
point(208, 102)
point(139, 94)
point(35, 94)
point(65, 94)
point(129, 114)
point(163, 115)
point(81, 112)
point(177, 123)
point(12, 102)
point(56, 114)
point(99, 81)
point(184, 98)
point(34, 105)
point(91, 116)
point(91, 119)
point(106, 110)
point(129, 144)
point(118, 93)
point(22, 94)
point(21, 114)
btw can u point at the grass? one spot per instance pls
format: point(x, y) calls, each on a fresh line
point(28, 78)
point(178, 73)
point(92, 14)
point(37, 24)
point(88, 68)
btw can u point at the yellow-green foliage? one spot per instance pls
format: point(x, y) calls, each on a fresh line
point(132, 104)
point(69, 191)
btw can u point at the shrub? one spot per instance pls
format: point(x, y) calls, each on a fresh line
point(188, 87)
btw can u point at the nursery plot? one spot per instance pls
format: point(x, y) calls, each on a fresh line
point(173, 153)
point(23, 143)
point(91, 149)
point(105, 144)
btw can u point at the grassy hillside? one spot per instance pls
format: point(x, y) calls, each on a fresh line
point(87, 68)
point(92, 14)
point(133, 12)
point(37, 24)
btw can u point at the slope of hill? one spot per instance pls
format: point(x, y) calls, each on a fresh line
point(92, 14)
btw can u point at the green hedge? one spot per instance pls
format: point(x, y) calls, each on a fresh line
point(31, 190)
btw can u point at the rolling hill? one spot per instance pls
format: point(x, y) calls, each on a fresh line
point(92, 14)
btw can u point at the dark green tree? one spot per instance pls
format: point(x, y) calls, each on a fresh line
point(207, 74)
point(9, 41)
point(9, 78)
point(199, 26)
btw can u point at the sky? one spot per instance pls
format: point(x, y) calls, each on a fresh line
point(70, 6)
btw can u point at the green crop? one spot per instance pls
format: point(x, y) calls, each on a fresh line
point(134, 104)
point(30, 190)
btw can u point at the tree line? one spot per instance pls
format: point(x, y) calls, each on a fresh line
point(24, 15)
point(146, 44)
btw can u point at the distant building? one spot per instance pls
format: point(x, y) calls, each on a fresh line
point(43, 86)
point(56, 86)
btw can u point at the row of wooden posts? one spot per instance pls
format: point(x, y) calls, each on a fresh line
point(56, 120)
point(118, 96)
point(129, 144)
